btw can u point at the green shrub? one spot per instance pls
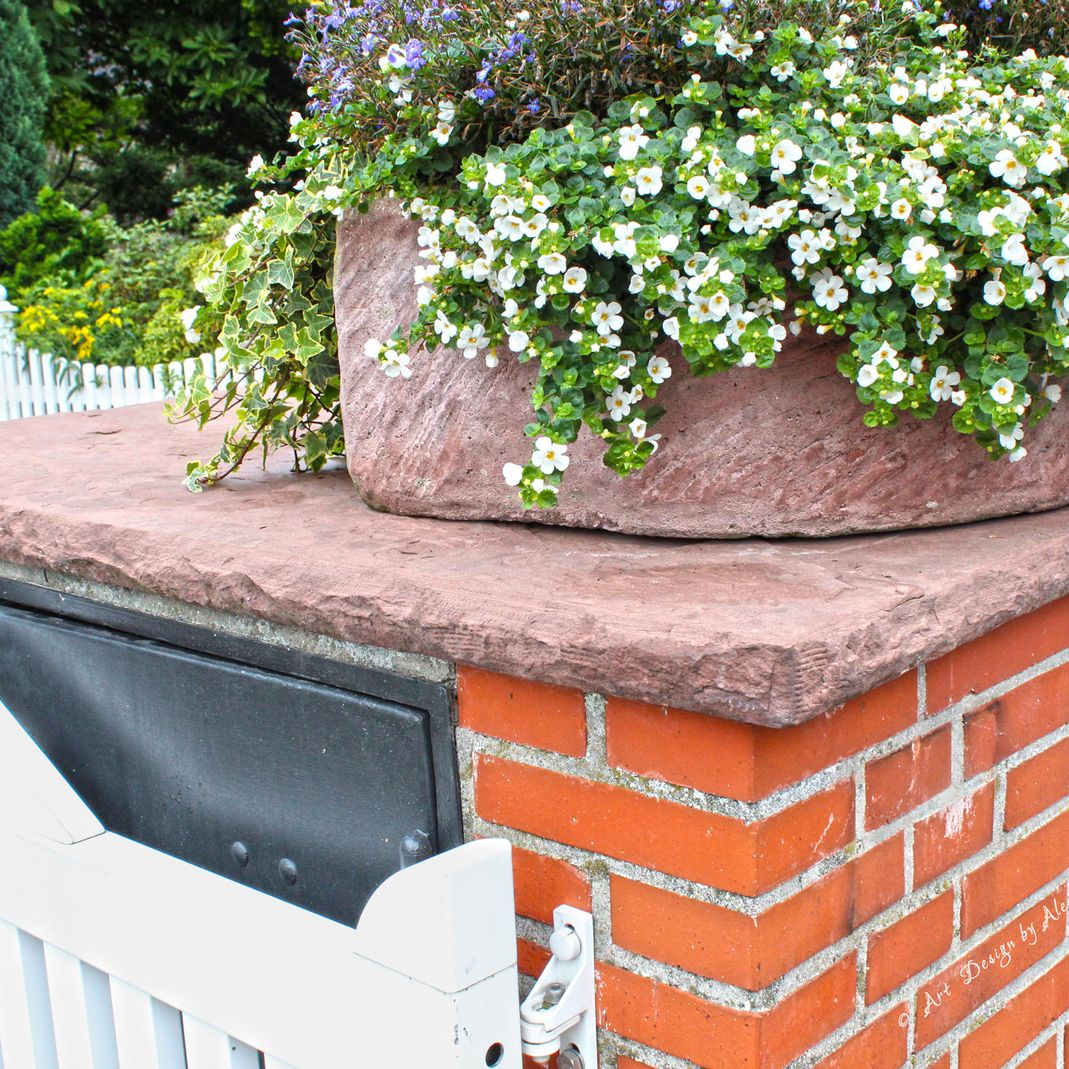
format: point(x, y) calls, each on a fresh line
point(22, 117)
point(54, 242)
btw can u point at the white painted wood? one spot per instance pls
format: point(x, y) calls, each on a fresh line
point(208, 1047)
point(276, 977)
point(148, 1033)
point(81, 1013)
point(25, 1011)
point(34, 795)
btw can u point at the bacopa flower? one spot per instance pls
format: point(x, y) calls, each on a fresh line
point(607, 317)
point(632, 139)
point(648, 181)
point(549, 456)
point(659, 369)
point(618, 403)
point(828, 290)
point(1006, 166)
point(943, 383)
point(873, 276)
point(1002, 391)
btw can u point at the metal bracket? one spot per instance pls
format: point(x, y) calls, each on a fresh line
point(557, 1017)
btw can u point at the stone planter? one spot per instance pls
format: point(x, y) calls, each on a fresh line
point(770, 452)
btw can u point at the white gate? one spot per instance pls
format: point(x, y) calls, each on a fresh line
point(116, 956)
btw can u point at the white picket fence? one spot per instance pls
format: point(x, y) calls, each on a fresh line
point(34, 384)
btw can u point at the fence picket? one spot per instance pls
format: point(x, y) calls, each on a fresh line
point(25, 1013)
point(81, 1013)
point(148, 1033)
point(210, 1048)
point(33, 384)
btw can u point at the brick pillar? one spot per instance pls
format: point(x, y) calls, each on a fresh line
point(882, 886)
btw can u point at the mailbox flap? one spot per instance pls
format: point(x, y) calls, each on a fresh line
point(301, 788)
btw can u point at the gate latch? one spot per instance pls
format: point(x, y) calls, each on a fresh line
point(557, 1017)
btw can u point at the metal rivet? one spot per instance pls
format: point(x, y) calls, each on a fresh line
point(288, 870)
point(240, 853)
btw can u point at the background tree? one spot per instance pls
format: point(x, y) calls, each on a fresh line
point(24, 90)
point(149, 99)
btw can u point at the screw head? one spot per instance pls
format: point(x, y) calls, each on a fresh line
point(553, 994)
point(570, 1059)
point(287, 869)
point(240, 853)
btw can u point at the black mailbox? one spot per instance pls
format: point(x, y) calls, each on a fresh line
point(309, 779)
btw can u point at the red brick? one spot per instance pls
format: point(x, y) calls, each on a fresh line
point(880, 878)
point(1037, 784)
point(695, 845)
point(520, 710)
point(909, 945)
point(981, 740)
point(543, 883)
point(948, 837)
point(1044, 1058)
point(1020, 717)
point(998, 655)
point(676, 1022)
point(623, 1062)
point(903, 780)
point(811, 1014)
point(964, 986)
point(1014, 874)
point(724, 944)
point(531, 958)
point(883, 1045)
point(1002, 1035)
point(745, 761)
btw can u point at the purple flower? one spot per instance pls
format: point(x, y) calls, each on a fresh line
point(483, 93)
point(414, 54)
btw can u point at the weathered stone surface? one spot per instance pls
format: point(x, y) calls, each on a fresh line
point(772, 633)
point(770, 452)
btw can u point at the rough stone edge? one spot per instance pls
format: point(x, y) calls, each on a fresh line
point(255, 628)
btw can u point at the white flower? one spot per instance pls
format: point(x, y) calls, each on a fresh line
point(828, 290)
point(648, 181)
point(898, 93)
point(805, 247)
point(698, 187)
point(607, 317)
point(668, 242)
point(574, 280)
point(1017, 455)
point(255, 164)
point(553, 263)
point(901, 209)
point(441, 132)
point(638, 428)
point(188, 316)
point(548, 456)
point(618, 403)
point(1053, 393)
point(627, 195)
point(372, 349)
point(472, 339)
point(1002, 391)
point(1014, 251)
point(495, 174)
point(1057, 267)
point(519, 340)
point(632, 139)
point(659, 369)
point(1007, 167)
point(1051, 160)
point(785, 156)
point(835, 72)
point(943, 382)
point(747, 144)
point(918, 252)
point(395, 363)
point(513, 474)
point(923, 295)
point(994, 292)
point(782, 71)
point(867, 374)
point(874, 276)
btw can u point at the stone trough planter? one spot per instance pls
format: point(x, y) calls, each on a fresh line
point(751, 452)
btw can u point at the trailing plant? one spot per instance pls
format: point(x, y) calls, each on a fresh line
point(762, 174)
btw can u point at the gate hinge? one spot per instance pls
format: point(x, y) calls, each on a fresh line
point(557, 1017)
